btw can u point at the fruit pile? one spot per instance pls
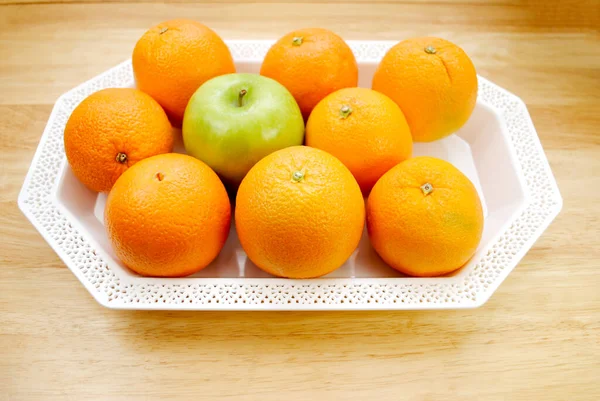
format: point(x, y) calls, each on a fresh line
point(297, 148)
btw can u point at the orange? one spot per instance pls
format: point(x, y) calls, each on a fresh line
point(299, 213)
point(110, 131)
point(424, 217)
point(172, 60)
point(364, 129)
point(167, 216)
point(311, 63)
point(433, 81)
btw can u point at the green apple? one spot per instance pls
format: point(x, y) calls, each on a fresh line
point(234, 120)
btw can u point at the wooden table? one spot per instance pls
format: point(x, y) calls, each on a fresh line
point(536, 339)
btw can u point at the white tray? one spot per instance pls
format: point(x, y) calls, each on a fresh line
point(498, 149)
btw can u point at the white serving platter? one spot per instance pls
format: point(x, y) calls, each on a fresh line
point(498, 149)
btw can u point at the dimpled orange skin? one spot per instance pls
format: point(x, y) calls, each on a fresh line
point(424, 235)
point(168, 216)
point(321, 64)
point(370, 140)
point(299, 229)
point(172, 59)
point(110, 122)
point(436, 91)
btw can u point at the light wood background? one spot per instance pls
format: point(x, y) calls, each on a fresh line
point(536, 339)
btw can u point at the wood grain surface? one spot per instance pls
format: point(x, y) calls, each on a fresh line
point(536, 339)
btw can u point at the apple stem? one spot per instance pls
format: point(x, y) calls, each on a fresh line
point(241, 97)
point(427, 188)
